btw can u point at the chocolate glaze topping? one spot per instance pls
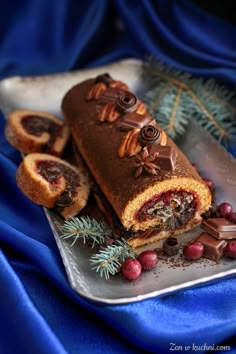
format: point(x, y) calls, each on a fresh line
point(98, 144)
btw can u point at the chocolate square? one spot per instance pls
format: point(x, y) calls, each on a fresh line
point(220, 228)
point(166, 158)
point(134, 120)
point(213, 248)
point(110, 95)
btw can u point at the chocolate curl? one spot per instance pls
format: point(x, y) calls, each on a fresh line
point(127, 102)
point(149, 134)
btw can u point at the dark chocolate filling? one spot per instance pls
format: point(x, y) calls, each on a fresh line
point(171, 210)
point(170, 224)
point(36, 125)
point(52, 171)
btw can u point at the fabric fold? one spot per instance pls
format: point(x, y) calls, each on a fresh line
point(40, 313)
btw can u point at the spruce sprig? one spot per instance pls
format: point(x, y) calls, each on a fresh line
point(174, 97)
point(109, 260)
point(85, 228)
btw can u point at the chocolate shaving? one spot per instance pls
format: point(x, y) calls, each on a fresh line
point(127, 102)
point(149, 134)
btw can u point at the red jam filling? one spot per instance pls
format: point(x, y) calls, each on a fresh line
point(171, 210)
point(36, 125)
point(52, 171)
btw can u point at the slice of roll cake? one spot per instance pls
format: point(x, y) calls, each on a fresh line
point(34, 131)
point(54, 183)
point(143, 178)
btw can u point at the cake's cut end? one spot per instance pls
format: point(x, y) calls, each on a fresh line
point(168, 205)
point(34, 131)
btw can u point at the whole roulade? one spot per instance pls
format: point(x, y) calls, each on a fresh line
point(143, 181)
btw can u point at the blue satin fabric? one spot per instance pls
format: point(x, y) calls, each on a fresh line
point(39, 312)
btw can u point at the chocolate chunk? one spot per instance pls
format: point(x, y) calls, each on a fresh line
point(213, 249)
point(166, 158)
point(134, 120)
point(110, 95)
point(171, 246)
point(220, 228)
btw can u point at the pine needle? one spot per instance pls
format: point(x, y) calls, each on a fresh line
point(174, 97)
point(85, 228)
point(109, 260)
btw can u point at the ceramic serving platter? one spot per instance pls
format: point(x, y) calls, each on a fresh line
point(172, 274)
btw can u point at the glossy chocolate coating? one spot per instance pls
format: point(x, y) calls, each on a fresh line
point(213, 248)
point(98, 144)
point(220, 228)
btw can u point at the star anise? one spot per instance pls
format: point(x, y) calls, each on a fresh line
point(144, 161)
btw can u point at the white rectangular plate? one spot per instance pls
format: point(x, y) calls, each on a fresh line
point(171, 274)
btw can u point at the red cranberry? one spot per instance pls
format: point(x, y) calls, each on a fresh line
point(232, 217)
point(224, 210)
point(230, 249)
point(131, 268)
point(148, 259)
point(209, 183)
point(193, 250)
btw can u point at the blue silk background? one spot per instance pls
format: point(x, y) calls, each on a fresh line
point(39, 312)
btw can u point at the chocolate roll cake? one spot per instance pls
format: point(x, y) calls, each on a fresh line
point(142, 177)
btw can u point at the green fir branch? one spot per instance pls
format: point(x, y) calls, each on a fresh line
point(109, 260)
point(173, 119)
point(174, 97)
point(86, 229)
